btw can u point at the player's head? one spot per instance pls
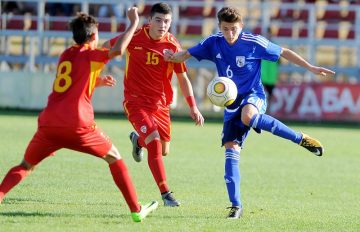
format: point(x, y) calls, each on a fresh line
point(230, 23)
point(159, 20)
point(85, 29)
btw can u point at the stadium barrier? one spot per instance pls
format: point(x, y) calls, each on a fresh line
point(304, 102)
point(325, 34)
point(22, 90)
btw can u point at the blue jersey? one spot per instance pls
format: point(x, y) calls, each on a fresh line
point(241, 61)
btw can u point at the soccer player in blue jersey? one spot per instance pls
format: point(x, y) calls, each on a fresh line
point(238, 56)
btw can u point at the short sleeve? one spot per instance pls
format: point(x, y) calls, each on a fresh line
point(99, 55)
point(203, 50)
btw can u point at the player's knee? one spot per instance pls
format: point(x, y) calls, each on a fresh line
point(248, 113)
point(152, 136)
point(165, 153)
point(245, 119)
point(165, 148)
point(113, 155)
point(111, 158)
point(233, 146)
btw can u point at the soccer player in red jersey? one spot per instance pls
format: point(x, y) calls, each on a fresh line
point(68, 119)
point(148, 92)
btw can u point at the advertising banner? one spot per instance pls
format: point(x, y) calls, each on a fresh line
point(316, 102)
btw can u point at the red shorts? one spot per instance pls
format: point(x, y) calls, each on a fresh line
point(47, 140)
point(147, 120)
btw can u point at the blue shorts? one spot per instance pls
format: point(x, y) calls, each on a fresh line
point(234, 130)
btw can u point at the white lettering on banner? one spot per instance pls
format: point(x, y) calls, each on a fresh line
point(329, 99)
point(346, 101)
point(285, 98)
point(317, 101)
point(309, 103)
point(332, 103)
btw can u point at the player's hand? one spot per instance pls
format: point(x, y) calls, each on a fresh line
point(107, 80)
point(321, 71)
point(196, 116)
point(133, 15)
point(168, 55)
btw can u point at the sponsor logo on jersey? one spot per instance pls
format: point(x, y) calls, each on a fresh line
point(218, 56)
point(240, 61)
point(138, 48)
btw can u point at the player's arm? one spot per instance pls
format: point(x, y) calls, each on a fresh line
point(297, 59)
point(177, 57)
point(122, 42)
point(187, 91)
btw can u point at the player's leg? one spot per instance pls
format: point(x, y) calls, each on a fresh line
point(123, 181)
point(234, 135)
point(122, 178)
point(168, 197)
point(143, 120)
point(94, 141)
point(155, 161)
point(232, 178)
point(13, 177)
point(162, 119)
point(38, 149)
point(250, 116)
point(253, 116)
point(157, 167)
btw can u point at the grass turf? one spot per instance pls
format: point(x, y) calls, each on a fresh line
point(284, 187)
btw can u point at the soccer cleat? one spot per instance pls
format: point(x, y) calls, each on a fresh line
point(313, 145)
point(144, 211)
point(137, 151)
point(169, 200)
point(235, 212)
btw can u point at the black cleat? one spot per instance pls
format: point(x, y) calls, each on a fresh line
point(137, 151)
point(235, 212)
point(169, 199)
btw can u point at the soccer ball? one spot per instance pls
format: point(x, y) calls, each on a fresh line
point(222, 91)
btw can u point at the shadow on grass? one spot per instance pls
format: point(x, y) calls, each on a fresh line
point(26, 214)
point(22, 214)
point(34, 202)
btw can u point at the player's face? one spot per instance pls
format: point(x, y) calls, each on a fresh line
point(231, 31)
point(94, 39)
point(159, 25)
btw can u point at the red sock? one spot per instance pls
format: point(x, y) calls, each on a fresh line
point(156, 164)
point(123, 181)
point(12, 178)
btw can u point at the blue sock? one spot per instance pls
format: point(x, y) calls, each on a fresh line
point(274, 126)
point(232, 176)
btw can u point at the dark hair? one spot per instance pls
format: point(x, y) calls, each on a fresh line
point(229, 15)
point(83, 26)
point(162, 8)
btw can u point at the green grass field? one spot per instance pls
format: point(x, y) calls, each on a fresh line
point(284, 187)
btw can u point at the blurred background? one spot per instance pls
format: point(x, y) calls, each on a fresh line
point(327, 33)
